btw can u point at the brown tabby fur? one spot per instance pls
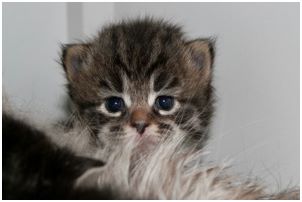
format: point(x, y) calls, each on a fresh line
point(135, 59)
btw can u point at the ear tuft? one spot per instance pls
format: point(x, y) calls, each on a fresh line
point(73, 58)
point(201, 53)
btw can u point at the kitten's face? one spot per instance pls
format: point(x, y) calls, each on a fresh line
point(142, 79)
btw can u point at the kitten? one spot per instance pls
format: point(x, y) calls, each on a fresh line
point(142, 78)
point(143, 81)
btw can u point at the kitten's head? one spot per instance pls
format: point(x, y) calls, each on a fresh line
point(142, 78)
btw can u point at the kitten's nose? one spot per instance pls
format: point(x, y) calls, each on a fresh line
point(140, 120)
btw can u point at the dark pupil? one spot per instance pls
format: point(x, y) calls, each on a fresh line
point(114, 104)
point(165, 102)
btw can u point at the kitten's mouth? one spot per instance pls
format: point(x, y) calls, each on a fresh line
point(146, 141)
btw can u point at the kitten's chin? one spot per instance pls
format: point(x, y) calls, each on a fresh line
point(146, 143)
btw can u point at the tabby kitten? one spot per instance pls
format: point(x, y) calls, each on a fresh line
point(142, 78)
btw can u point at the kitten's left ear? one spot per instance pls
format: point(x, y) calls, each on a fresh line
point(201, 53)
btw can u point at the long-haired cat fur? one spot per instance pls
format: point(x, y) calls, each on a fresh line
point(143, 100)
point(170, 171)
point(36, 168)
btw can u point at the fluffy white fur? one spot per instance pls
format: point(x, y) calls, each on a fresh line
point(166, 171)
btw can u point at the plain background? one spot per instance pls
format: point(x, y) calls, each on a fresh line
point(256, 71)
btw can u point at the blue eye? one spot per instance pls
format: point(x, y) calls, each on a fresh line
point(164, 103)
point(114, 104)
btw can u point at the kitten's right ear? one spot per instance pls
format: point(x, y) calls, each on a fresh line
point(73, 59)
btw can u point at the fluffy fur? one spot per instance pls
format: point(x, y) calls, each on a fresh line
point(50, 170)
point(171, 171)
point(36, 168)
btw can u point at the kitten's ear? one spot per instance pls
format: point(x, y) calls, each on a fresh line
point(201, 53)
point(73, 59)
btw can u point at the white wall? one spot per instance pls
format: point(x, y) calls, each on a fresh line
point(256, 70)
point(95, 15)
point(32, 78)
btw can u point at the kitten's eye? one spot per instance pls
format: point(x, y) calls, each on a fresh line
point(114, 104)
point(164, 103)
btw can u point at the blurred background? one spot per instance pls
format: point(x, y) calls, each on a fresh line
point(256, 124)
